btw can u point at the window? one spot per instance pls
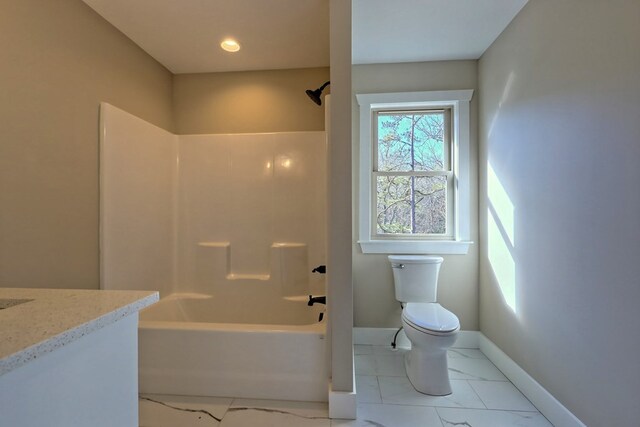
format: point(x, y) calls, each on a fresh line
point(414, 180)
point(412, 171)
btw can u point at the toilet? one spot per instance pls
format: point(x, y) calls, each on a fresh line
point(431, 328)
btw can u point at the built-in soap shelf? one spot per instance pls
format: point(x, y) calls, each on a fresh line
point(214, 244)
point(288, 266)
point(8, 303)
point(240, 276)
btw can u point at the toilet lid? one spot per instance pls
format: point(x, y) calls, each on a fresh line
point(430, 316)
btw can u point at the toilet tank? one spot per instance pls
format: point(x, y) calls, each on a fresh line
point(415, 277)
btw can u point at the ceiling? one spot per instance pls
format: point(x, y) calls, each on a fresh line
point(184, 35)
point(427, 30)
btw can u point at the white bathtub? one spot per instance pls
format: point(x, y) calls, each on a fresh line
point(193, 344)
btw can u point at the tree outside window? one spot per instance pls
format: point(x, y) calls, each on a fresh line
point(412, 172)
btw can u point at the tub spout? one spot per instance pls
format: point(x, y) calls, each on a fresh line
point(317, 300)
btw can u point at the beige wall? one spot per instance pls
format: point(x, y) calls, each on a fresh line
point(59, 60)
point(374, 301)
point(249, 101)
point(559, 126)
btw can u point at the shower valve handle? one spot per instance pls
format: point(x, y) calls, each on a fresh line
point(322, 269)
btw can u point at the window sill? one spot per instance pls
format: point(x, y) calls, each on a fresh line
point(433, 247)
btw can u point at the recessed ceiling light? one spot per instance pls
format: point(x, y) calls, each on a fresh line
point(230, 45)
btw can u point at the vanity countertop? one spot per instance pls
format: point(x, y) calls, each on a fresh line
point(34, 322)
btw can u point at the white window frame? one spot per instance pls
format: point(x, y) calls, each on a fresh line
point(458, 101)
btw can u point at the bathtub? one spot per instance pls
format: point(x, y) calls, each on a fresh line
point(263, 348)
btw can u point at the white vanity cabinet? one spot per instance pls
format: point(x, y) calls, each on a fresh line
point(69, 357)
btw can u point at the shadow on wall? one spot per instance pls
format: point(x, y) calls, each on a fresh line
point(501, 238)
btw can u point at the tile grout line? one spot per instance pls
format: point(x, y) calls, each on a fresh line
point(510, 382)
point(477, 394)
point(379, 389)
point(513, 411)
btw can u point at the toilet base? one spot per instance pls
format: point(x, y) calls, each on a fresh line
point(428, 372)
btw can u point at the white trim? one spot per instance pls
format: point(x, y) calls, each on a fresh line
point(378, 336)
point(413, 99)
point(414, 247)
point(548, 405)
point(384, 336)
point(544, 401)
point(343, 404)
point(459, 101)
point(467, 339)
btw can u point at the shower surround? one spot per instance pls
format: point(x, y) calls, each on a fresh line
point(227, 228)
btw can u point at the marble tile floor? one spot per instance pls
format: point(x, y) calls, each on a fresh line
point(482, 397)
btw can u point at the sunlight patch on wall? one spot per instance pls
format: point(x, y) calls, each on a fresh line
point(505, 94)
point(501, 237)
point(501, 262)
point(501, 204)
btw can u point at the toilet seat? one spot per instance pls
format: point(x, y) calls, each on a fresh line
point(430, 318)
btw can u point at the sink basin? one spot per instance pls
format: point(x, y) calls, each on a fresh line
point(7, 303)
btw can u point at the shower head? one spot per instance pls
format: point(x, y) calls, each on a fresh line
point(315, 94)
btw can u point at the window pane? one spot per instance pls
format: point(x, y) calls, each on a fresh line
point(411, 205)
point(431, 204)
point(411, 142)
point(394, 204)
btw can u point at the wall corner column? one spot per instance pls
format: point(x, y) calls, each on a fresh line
point(339, 185)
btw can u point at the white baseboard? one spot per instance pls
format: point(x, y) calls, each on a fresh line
point(378, 336)
point(384, 336)
point(342, 404)
point(548, 405)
